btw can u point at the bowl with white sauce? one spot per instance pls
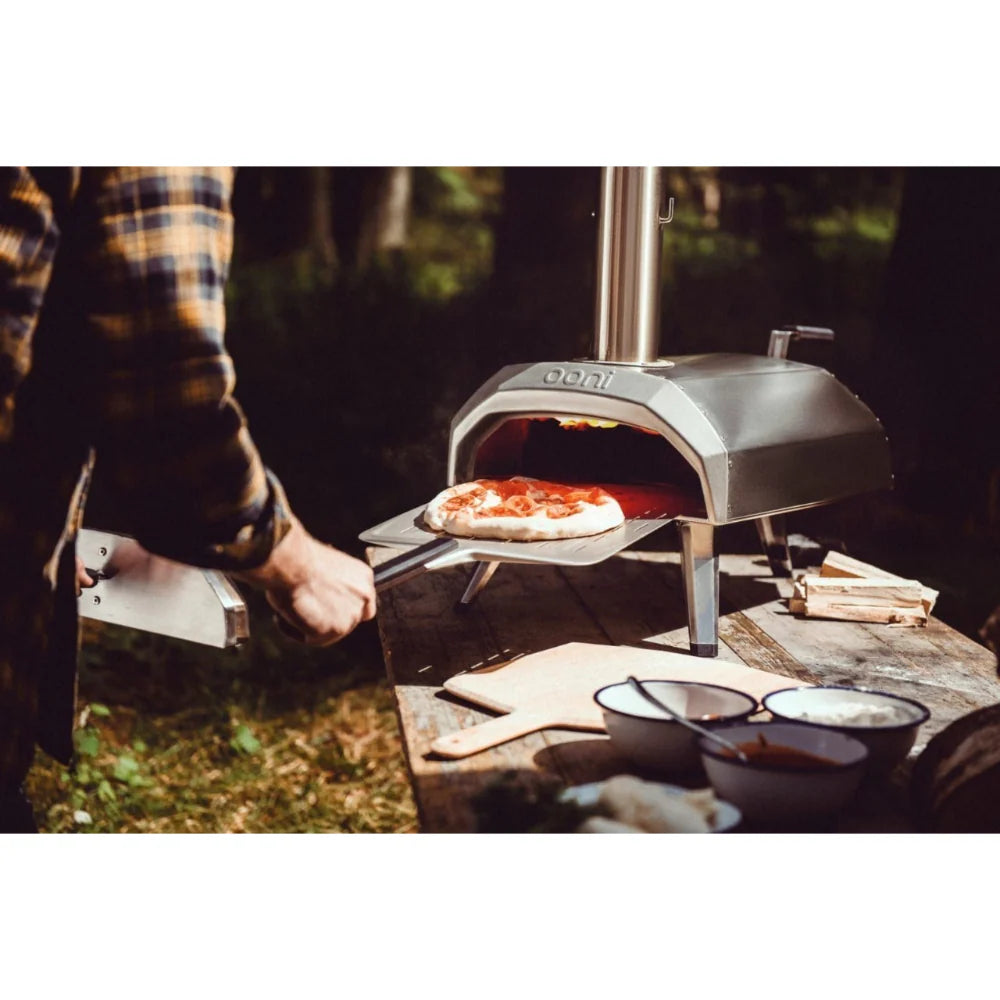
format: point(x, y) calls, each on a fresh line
point(886, 723)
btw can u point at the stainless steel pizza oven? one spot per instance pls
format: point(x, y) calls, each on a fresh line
point(736, 437)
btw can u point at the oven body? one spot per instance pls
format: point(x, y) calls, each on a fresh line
point(739, 437)
point(763, 435)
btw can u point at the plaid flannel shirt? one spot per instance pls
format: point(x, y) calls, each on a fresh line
point(126, 362)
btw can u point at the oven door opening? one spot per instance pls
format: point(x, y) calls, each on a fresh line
point(638, 466)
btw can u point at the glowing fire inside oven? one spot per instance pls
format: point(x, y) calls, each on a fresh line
point(586, 423)
point(582, 423)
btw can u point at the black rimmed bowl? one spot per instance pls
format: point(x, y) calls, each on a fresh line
point(652, 740)
point(780, 796)
point(886, 723)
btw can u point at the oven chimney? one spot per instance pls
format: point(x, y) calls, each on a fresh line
point(629, 244)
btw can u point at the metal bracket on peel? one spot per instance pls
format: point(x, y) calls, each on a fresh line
point(481, 576)
point(139, 590)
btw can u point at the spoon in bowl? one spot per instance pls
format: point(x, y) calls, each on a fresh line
point(677, 717)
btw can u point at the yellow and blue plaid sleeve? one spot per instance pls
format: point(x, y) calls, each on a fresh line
point(28, 241)
point(171, 438)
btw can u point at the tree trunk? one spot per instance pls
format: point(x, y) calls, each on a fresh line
point(282, 210)
point(371, 212)
point(320, 228)
point(386, 218)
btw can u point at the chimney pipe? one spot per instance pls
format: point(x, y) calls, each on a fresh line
point(629, 245)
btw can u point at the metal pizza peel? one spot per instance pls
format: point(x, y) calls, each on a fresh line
point(429, 550)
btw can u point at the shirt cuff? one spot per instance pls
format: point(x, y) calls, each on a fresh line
point(255, 542)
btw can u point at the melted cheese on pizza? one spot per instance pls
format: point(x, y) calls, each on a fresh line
point(523, 509)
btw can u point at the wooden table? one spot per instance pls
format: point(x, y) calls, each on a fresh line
point(637, 598)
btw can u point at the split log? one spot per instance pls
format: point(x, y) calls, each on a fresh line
point(878, 592)
point(837, 564)
point(874, 615)
point(889, 601)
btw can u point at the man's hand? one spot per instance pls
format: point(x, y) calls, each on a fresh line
point(83, 579)
point(320, 593)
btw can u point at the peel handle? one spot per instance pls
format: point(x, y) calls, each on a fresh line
point(490, 733)
point(412, 563)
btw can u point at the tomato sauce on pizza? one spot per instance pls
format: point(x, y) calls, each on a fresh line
point(523, 509)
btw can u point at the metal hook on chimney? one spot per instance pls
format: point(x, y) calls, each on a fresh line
point(669, 217)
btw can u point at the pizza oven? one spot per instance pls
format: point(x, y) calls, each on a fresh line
point(728, 437)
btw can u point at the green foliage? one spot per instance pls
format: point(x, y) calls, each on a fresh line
point(129, 771)
point(334, 760)
point(86, 742)
point(457, 192)
point(450, 251)
point(96, 770)
point(440, 192)
point(693, 251)
point(842, 228)
point(244, 741)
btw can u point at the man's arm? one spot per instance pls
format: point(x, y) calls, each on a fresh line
point(171, 438)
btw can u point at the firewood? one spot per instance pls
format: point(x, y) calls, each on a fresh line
point(879, 600)
point(797, 602)
point(909, 616)
point(877, 592)
point(837, 564)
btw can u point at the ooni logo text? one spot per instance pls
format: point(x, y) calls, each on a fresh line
point(577, 378)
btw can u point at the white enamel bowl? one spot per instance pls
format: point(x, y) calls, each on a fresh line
point(774, 797)
point(889, 734)
point(652, 740)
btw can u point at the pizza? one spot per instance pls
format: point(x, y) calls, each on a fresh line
point(523, 510)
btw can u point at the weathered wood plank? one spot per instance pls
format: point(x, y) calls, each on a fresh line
point(757, 649)
point(426, 640)
point(637, 599)
point(936, 665)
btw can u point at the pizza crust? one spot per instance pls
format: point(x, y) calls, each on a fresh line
point(552, 510)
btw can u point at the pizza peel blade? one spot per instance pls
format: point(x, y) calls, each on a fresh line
point(427, 550)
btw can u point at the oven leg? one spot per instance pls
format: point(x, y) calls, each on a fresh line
point(481, 576)
point(700, 565)
point(774, 539)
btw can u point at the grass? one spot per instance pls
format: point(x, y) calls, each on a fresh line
point(275, 738)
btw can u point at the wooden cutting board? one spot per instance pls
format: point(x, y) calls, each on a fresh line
point(554, 689)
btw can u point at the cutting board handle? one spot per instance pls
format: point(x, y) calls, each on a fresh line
point(490, 733)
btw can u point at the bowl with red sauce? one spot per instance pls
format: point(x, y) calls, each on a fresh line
point(796, 776)
point(650, 739)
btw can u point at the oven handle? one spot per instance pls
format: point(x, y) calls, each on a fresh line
point(412, 563)
point(783, 336)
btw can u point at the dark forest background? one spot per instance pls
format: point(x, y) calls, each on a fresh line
point(367, 303)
